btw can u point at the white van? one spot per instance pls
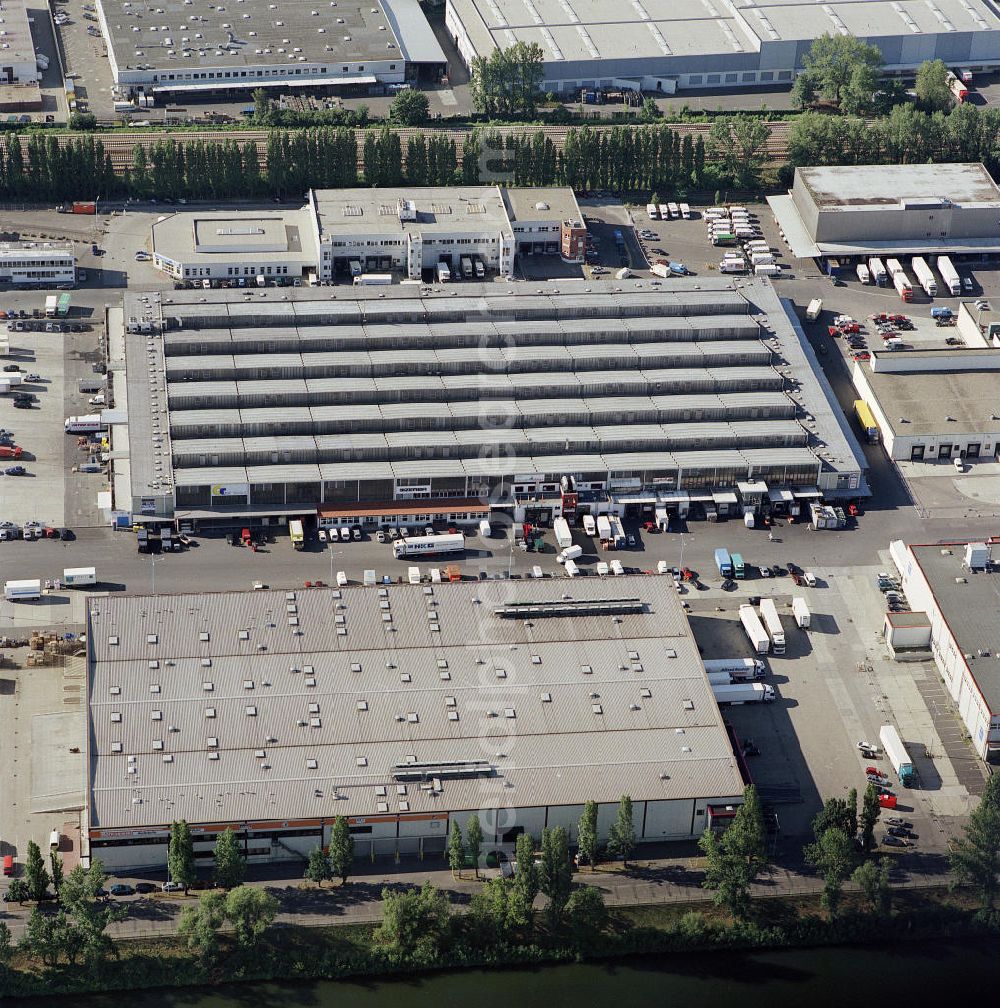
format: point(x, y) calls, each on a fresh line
point(959, 464)
point(571, 569)
point(652, 212)
point(570, 553)
point(685, 211)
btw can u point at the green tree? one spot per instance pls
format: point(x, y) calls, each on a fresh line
point(739, 145)
point(873, 879)
point(587, 834)
point(82, 121)
point(341, 849)
point(650, 110)
point(526, 876)
point(975, 856)
point(737, 857)
point(180, 854)
point(46, 936)
point(35, 875)
point(251, 911)
point(838, 813)
point(840, 70)
point(555, 874)
point(474, 841)
point(6, 946)
point(456, 849)
point(586, 914)
point(56, 869)
point(18, 891)
point(833, 855)
point(507, 82)
point(621, 836)
point(318, 869)
point(870, 811)
point(499, 909)
point(415, 922)
point(932, 86)
point(199, 925)
point(409, 108)
point(230, 865)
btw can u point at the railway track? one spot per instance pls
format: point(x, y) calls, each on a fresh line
point(120, 144)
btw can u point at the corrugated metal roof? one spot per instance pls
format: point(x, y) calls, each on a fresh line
point(175, 676)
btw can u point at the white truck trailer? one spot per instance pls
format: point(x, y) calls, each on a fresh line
point(879, 273)
point(755, 629)
point(898, 756)
point(77, 577)
point(741, 669)
point(801, 612)
point(814, 309)
point(563, 535)
point(769, 613)
point(603, 528)
point(924, 275)
point(431, 545)
point(949, 275)
point(741, 693)
point(617, 531)
point(22, 591)
point(589, 525)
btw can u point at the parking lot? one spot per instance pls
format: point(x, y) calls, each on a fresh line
point(86, 58)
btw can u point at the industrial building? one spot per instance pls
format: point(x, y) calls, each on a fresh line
point(43, 264)
point(957, 585)
point(242, 245)
point(656, 45)
point(412, 230)
point(935, 404)
point(198, 49)
point(343, 233)
point(882, 210)
point(18, 62)
point(404, 708)
point(346, 405)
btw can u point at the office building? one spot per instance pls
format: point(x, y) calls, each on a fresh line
point(41, 264)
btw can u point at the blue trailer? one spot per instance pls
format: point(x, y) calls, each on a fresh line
point(724, 562)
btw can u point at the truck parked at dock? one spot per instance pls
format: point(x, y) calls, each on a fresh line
point(898, 756)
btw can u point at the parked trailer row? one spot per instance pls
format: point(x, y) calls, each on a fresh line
point(769, 612)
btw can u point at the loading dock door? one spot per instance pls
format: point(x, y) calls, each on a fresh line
point(917, 453)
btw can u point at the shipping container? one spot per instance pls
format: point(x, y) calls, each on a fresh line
point(74, 577)
point(84, 207)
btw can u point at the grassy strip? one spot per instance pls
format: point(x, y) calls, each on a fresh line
point(341, 951)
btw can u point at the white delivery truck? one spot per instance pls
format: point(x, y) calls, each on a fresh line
point(755, 629)
point(589, 525)
point(660, 269)
point(864, 274)
point(652, 211)
point(741, 693)
point(616, 568)
point(603, 528)
point(432, 545)
point(22, 591)
point(76, 577)
point(373, 280)
point(484, 529)
point(741, 669)
point(85, 424)
point(801, 612)
point(564, 538)
point(466, 263)
point(570, 553)
point(766, 269)
point(814, 309)
point(769, 612)
point(443, 272)
point(571, 569)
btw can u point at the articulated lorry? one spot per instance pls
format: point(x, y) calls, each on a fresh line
point(428, 545)
point(741, 669)
point(924, 275)
point(898, 756)
point(949, 275)
point(769, 612)
point(741, 693)
point(879, 273)
point(755, 629)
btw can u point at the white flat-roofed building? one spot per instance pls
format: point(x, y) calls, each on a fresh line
point(659, 45)
point(232, 246)
point(37, 263)
point(404, 708)
point(178, 51)
point(18, 63)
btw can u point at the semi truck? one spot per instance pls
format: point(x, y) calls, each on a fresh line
point(741, 669)
point(879, 274)
point(77, 577)
point(741, 693)
point(22, 591)
point(864, 274)
point(739, 567)
point(603, 528)
point(924, 275)
point(903, 286)
point(949, 275)
point(726, 679)
point(866, 420)
point(724, 562)
point(443, 272)
point(466, 263)
point(90, 424)
point(429, 545)
point(769, 613)
point(957, 87)
point(564, 538)
point(898, 756)
point(755, 629)
point(801, 612)
point(617, 531)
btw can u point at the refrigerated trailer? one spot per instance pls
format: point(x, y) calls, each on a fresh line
point(903, 286)
point(741, 693)
point(801, 612)
point(769, 613)
point(755, 629)
point(724, 562)
point(22, 591)
point(603, 527)
point(879, 274)
point(740, 669)
point(949, 275)
point(562, 533)
point(428, 545)
point(898, 756)
point(924, 275)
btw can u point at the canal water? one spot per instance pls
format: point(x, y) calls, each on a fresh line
point(910, 974)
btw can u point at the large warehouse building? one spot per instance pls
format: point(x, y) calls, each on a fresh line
point(189, 50)
point(343, 405)
point(403, 708)
point(658, 45)
point(877, 210)
point(958, 586)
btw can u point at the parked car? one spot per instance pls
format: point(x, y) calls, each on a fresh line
point(321, 534)
point(14, 471)
point(121, 889)
point(146, 887)
point(896, 821)
point(902, 831)
point(173, 887)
